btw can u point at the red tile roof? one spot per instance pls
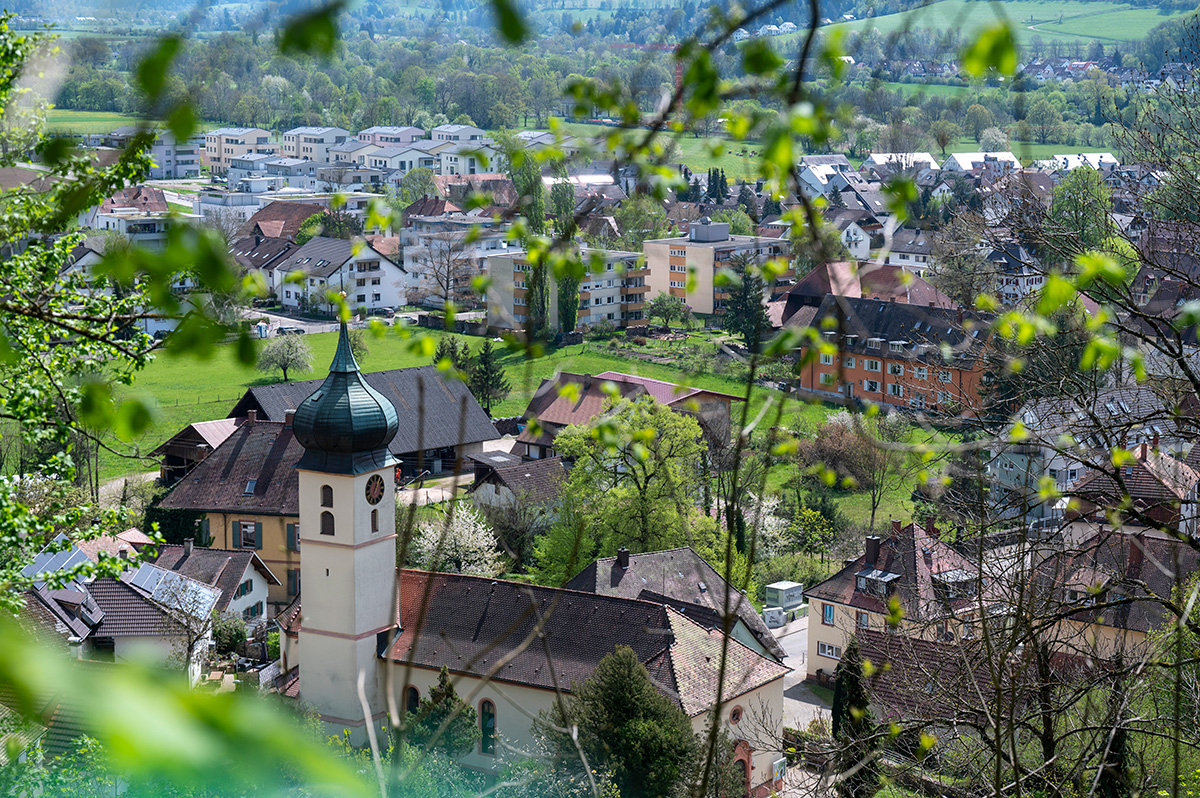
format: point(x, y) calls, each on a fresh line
point(143, 198)
point(224, 569)
point(291, 214)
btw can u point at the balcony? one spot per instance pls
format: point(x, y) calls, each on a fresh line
point(634, 290)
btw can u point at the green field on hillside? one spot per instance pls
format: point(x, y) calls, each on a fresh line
point(61, 120)
point(1062, 20)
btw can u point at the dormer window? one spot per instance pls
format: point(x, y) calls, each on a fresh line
point(250, 484)
point(896, 346)
point(873, 343)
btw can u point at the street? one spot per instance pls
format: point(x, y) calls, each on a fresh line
point(800, 705)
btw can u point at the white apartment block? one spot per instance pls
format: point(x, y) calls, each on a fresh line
point(224, 144)
point(312, 143)
point(388, 135)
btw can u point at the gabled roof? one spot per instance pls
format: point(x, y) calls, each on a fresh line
point(224, 569)
point(668, 393)
point(910, 560)
point(261, 252)
point(535, 481)
point(923, 330)
point(431, 206)
point(473, 624)
point(321, 256)
point(1152, 479)
point(423, 397)
point(261, 451)
point(142, 198)
point(682, 575)
point(292, 214)
point(549, 407)
point(911, 242)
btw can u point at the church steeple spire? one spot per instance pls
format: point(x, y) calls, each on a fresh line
point(345, 426)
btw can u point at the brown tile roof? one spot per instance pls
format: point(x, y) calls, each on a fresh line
point(923, 679)
point(666, 392)
point(473, 624)
point(430, 407)
point(388, 246)
point(1140, 566)
point(291, 214)
point(289, 618)
point(695, 658)
point(537, 481)
point(549, 407)
point(263, 451)
point(142, 198)
point(262, 252)
point(1153, 480)
point(223, 569)
point(431, 206)
point(918, 558)
point(680, 574)
point(128, 613)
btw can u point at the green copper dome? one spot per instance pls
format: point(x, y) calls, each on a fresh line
point(345, 426)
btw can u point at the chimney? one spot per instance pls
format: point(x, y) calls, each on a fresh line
point(76, 646)
point(873, 549)
point(895, 526)
point(1154, 442)
point(251, 416)
point(930, 526)
point(1142, 451)
point(123, 553)
point(1137, 552)
point(288, 417)
point(187, 547)
point(201, 451)
point(623, 558)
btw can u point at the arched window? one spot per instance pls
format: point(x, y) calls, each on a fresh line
point(326, 496)
point(374, 520)
point(412, 700)
point(487, 728)
point(326, 523)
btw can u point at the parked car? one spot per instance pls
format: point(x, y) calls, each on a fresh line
point(387, 313)
point(290, 331)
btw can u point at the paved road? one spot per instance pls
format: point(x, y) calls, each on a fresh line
point(800, 705)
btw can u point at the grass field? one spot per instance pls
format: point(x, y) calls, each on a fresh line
point(80, 122)
point(1062, 20)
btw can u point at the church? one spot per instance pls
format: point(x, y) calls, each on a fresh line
point(369, 635)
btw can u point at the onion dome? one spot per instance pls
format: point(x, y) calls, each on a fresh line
point(345, 426)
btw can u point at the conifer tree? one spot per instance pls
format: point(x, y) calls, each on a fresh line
point(489, 384)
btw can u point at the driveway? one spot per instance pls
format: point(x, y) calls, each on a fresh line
point(800, 705)
point(278, 319)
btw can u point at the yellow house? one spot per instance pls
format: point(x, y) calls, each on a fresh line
point(935, 586)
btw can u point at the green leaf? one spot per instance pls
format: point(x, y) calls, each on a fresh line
point(702, 79)
point(247, 352)
point(1057, 292)
point(899, 194)
point(992, 49)
point(759, 58)
point(132, 418)
point(314, 31)
point(182, 122)
point(153, 70)
point(512, 24)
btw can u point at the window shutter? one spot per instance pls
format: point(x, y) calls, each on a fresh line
point(291, 581)
point(291, 537)
point(258, 534)
point(204, 531)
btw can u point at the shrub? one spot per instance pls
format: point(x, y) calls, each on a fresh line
point(229, 632)
point(639, 341)
point(273, 646)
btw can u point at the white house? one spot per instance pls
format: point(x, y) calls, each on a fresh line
point(325, 267)
point(457, 133)
point(388, 135)
point(239, 574)
point(352, 151)
point(904, 160)
point(1096, 160)
point(997, 162)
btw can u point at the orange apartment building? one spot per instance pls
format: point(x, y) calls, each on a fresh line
point(892, 353)
point(614, 289)
point(224, 144)
point(705, 250)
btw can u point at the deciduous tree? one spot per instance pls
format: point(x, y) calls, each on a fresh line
point(285, 353)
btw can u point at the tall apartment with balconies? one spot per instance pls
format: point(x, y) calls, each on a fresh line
point(614, 289)
point(224, 144)
point(313, 143)
point(705, 250)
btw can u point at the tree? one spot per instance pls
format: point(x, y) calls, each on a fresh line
point(229, 633)
point(1045, 119)
point(285, 353)
point(330, 224)
point(810, 251)
point(634, 475)
point(979, 119)
point(359, 346)
point(443, 722)
point(461, 543)
point(625, 725)
point(562, 204)
point(748, 201)
point(745, 310)
point(853, 727)
point(993, 139)
point(415, 184)
point(944, 134)
point(957, 266)
point(489, 384)
point(740, 224)
point(1080, 216)
point(443, 270)
point(532, 193)
point(639, 219)
point(665, 307)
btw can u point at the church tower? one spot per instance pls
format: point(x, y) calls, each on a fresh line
point(348, 542)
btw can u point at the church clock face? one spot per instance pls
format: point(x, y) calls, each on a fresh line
point(375, 489)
